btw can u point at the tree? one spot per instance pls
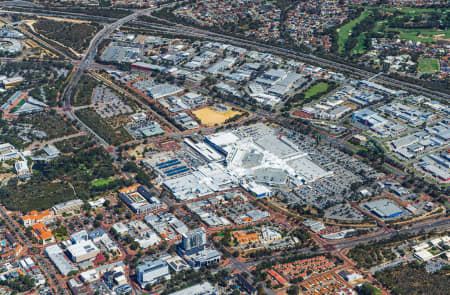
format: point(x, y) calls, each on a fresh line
point(293, 290)
point(22, 283)
point(143, 178)
point(163, 246)
point(134, 245)
point(260, 289)
point(130, 167)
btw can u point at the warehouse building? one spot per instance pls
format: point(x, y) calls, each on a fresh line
point(164, 90)
point(383, 208)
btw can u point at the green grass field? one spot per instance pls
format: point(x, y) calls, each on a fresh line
point(425, 35)
point(428, 65)
point(346, 30)
point(102, 182)
point(408, 10)
point(318, 88)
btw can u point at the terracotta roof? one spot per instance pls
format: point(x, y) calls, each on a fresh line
point(130, 188)
point(34, 215)
point(41, 231)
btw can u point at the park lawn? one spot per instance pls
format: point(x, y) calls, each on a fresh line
point(318, 88)
point(434, 252)
point(425, 35)
point(345, 30)
point(428, 65)
point(102, 182)
point(409, 10)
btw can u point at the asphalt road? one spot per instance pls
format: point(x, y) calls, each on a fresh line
point(387, 235)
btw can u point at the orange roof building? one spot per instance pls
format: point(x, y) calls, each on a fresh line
point(35, 217)
point(129, 189)
point(243, 238)
point(42, 233)
point(277, 277)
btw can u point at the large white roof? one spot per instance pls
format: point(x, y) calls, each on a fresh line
point(223, 138)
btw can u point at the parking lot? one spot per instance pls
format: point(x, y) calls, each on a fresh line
point(344, 212)
point(108, 104)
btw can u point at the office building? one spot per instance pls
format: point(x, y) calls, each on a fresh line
point(152, 272)
point(82, 251)
point(67, 207)
point(204, 257)
point(79, 237)
point(192, 241)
